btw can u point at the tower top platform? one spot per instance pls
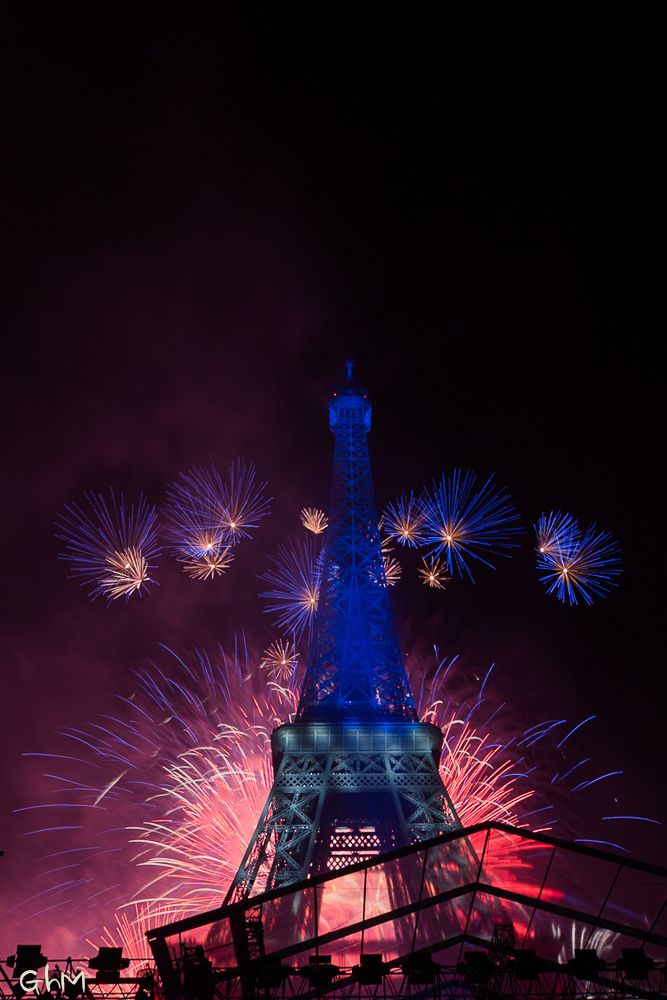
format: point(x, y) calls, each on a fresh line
point(349, 406)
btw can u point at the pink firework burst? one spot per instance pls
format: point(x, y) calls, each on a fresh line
point(167, 790)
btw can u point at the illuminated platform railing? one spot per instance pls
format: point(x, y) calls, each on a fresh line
point(562, 900)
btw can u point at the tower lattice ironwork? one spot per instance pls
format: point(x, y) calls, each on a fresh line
point(356, 773)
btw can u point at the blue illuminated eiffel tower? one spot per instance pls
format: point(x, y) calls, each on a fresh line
point(356, 774)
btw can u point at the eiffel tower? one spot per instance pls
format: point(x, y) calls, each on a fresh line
point(356, 773)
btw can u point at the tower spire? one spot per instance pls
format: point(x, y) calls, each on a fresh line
point(357, 773)
point(355, 666)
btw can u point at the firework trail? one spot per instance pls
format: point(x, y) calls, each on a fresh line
point(404, 520)
point(106, 786)
point(586, 567)
point(314, 520)
point(212, 797)
point(206, 515)
point(110, 546)
point(463, 522)
point(129, 933)
point(434, 573)
point(295, 577)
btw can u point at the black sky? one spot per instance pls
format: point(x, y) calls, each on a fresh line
point(202, 218)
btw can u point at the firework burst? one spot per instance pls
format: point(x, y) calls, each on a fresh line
point(209, 564)
point(205, 515)
point(464, 522)
point(209, 713)
point(392, 570)
point(585, 569)
point(211, 798)
point(404, 520)
point(245, 502)
point(295, 578)
point(110, 546)
point(314, 520)
point(434, 573)
point(556, 532)
point(192, 514)
point(280, 661)
point(388, 572)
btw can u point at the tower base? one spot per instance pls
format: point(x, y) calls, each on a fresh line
point(344, 793)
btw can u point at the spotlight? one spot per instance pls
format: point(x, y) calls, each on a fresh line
point(420, 969)
point(525, 965)
point(476, 966)
point(585, 963)
point(27, 957)
point(270, 974)
point(370, 970)
point(108, 964)
point(75, 990)
point(320, 971)
point(634, 963)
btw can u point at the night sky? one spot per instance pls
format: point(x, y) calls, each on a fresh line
point(201, 220)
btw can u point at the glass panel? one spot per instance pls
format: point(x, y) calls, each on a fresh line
point(215, 939)
point(382, 939)
point(288, 920)
point(487, 911)
point(340, 902)
point(660, 926)
point(579, 881)
point(218, 933)
point(437, 923)
point(515, 863)
point(637, 899)
point(222, 956)
point(404, 878)
point(393, 939)
point(453, 864)
point(449, 957)
point(345, 951)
